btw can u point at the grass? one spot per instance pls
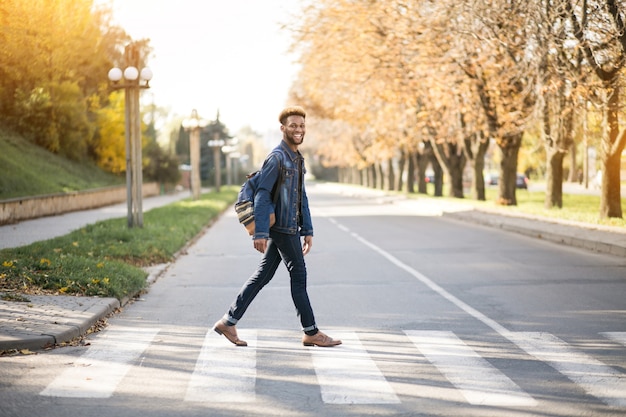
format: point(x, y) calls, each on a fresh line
point(581, 208)
point(106, 258)
point(28, 170)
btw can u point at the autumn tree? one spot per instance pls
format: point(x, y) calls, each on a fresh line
point(52, 58)
point(563, 84)
point(495, 52)
point(110, 144)
point(371, 52)
point(601, 32)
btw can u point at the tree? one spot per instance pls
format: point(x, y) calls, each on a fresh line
point(495, 53)
point(600, 29)
point(370, 48)
point(52, 60)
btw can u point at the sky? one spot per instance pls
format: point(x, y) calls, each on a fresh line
point(216, 55)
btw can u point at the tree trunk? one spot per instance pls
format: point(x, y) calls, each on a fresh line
point(573, 171)
point(610, 202)
point(391, 176)
point(508, 170)
point(478, 164)
point(380, 176)
point(411, 172)
point(372, 176)
point(453, 159)
point(456, 166)
point(554, 179)
point(438, 171)
point(402, 163)
point(558, 139)
point(612, 147)
point(422, 164)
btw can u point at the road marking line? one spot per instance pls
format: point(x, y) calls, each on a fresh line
point(607, 385)
point(431, 284)
point(479, 381)
point(596, 378)
point(224, 372)
point(619, 337)
point(348, 375)
point(100, 369)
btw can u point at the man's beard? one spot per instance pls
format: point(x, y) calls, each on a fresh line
point(290, 139)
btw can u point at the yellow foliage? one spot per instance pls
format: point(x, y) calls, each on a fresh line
point(111, 144)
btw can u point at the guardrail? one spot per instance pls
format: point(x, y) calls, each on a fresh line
point(18, 209)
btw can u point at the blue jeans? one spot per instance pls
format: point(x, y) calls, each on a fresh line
point(288, 248)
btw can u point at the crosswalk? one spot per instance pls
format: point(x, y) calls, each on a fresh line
point(347, 374)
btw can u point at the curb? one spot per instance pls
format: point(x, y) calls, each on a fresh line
point(575, 235)
point(45, 321)
point(33, 329)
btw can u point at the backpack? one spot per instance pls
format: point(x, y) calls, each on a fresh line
point(244, 207)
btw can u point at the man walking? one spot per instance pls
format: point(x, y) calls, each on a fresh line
point(282, 240)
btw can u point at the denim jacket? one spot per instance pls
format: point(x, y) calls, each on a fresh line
point(286, 210)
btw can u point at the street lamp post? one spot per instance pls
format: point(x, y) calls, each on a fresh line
point(216, 144)
point(132, 80)
point(193, 125)
point(231, 153)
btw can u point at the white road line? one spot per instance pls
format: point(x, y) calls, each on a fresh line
point(430, 284)
point(224, 372)
point(596, 378)
point(348, 375)
point(607, 385)
point(100, 369)
point(619, 337)
point(479, 381)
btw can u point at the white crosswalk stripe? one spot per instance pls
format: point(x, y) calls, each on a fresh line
point(346, 374)
point(596, 378)
point(478, 380)
point(224, 373)
point(98, 371)
point(619, 337)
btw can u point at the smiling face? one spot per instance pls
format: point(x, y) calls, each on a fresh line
point(293, 131)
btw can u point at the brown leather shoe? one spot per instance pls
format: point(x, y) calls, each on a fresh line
point(319, 339)
point(229, 332)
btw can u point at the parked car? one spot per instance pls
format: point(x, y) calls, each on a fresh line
point(492, 178)
point(521, 181)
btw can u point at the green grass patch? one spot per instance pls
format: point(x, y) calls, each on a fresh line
point(106, 258)
point(29, 170)
point(582, 208)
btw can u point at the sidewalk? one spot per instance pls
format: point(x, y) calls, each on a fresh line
point(44, 228)
point(47, 320)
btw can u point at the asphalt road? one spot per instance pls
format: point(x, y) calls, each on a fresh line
point(438, 318)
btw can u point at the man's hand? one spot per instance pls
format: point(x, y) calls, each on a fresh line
point(308, 242)
point(260, 245)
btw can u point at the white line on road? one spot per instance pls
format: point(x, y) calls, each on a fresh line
point(431, 284)
point(348, 375)
point(593, 376)
point(619, 337)
point(479, 381)
point(224, 372)
point(98, 371)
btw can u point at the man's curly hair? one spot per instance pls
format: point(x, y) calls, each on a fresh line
point(291, 111)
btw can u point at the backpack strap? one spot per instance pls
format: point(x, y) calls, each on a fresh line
point(281, 177)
